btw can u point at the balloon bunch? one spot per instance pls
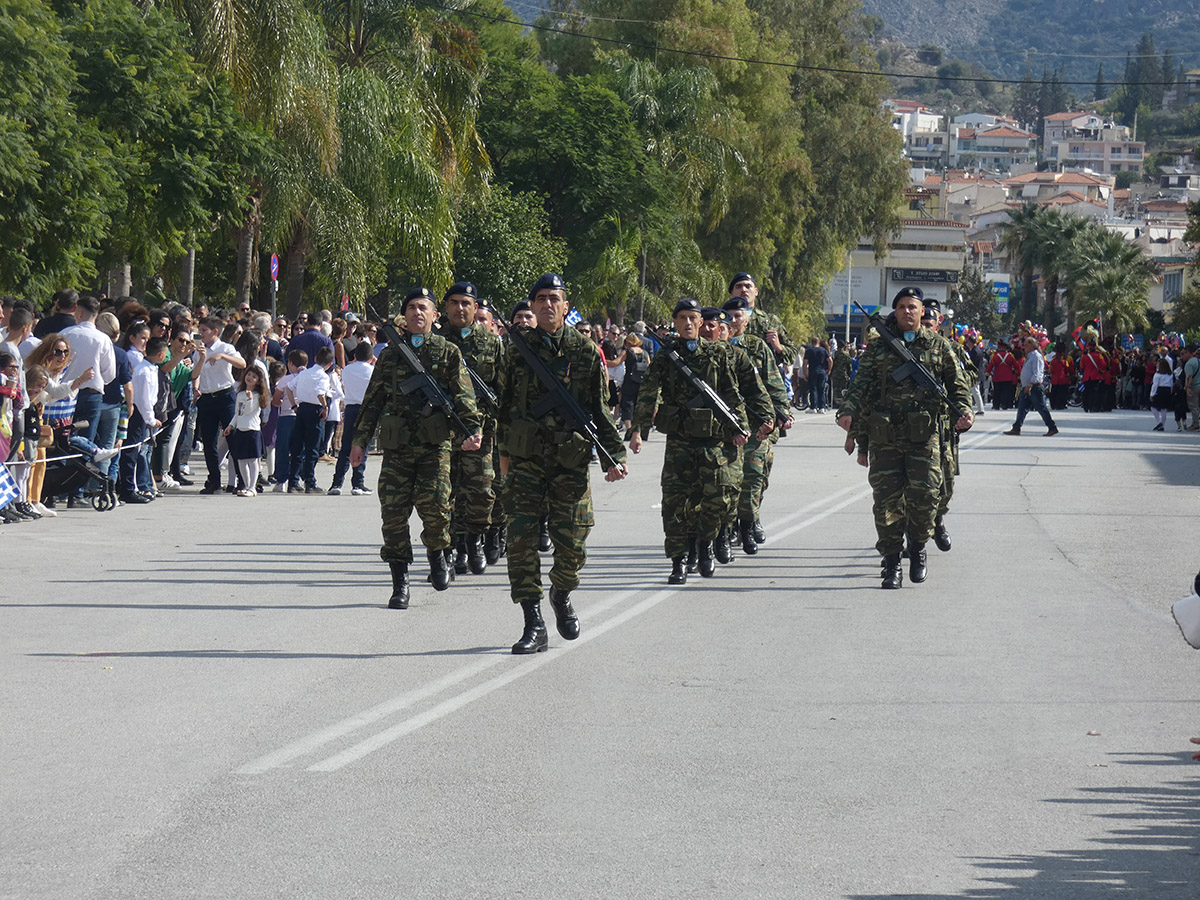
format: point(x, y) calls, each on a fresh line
point(1028, 329)
point(964, 333)
point(1086, 333)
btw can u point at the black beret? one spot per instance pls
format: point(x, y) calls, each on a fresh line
point(484, 303)
point(460, 287)
point(932, 308)
point(708, 313)
point(416, 294)
point(521, 306)
point(687, 304)
point(908, 292)
point(740, 277)
point(548, 282)
point(736, 303)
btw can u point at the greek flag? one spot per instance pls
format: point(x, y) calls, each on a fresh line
point(8, 487)
point(574, 317)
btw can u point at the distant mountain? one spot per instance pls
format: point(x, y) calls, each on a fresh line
point(998, 33)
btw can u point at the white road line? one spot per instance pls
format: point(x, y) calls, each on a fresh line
point(318, 739)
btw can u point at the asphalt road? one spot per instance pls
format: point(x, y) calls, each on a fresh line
point(205, 698)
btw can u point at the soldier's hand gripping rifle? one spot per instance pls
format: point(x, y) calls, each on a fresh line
point(422, 379)
point(705, 395)
point(557, 398)
point(911, 367)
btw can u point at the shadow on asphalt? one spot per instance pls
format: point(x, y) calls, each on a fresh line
point(1152, 848)
point(269, 654)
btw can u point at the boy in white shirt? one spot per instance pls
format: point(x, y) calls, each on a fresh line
point(287, 449)
point(311, 390)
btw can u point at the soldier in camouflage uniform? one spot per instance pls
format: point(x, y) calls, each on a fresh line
point(931, 319)
point(700, 460)
point(903, 441)
point(415, 439)
point(843, 365)
point(497, 543)
point(763, 324)
point(757, 455)
point(472, 473)
point(546, 463)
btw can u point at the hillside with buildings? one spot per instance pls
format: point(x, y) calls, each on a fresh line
point(1001, 35)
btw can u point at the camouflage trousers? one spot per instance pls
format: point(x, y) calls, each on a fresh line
point(757, 457)
point(699, 490)
point(417, 476)
point(533, 488)
point(949, 470)
point(472, 478)
point(907, 482)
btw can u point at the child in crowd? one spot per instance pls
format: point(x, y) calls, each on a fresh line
point(244, 432)
point(1162, 398)
point(310, 391)
point(287, 445)
point(275, 371)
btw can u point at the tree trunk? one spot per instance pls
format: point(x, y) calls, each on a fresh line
point(294, 278)
point(120, 281)
point(1028, 297)
point(187, 275)
point(1070, 304)
point(247, 236)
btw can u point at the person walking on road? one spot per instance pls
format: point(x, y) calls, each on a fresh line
point(1032, 394)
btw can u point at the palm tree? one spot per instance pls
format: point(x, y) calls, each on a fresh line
point(1020, 242)
point(1055, 235)
point(1101, 261)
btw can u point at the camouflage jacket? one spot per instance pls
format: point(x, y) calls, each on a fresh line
point(763, 359)
point(885, 411)
point(410, 419)
point(575, 360)
point(761, 322)
point(665, 398)
point(482, 351)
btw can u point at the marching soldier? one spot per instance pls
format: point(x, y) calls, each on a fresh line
point(546, 460)
point(699, 465)
point(931, 319)
point(757, 454)
point(415, 437)
point(765, 325)
point(471, 472)
point(900, 422)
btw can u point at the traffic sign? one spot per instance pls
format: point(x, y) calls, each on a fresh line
point(274, 267)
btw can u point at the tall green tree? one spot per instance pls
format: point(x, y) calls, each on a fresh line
point(58, 177)
point(1020, 242)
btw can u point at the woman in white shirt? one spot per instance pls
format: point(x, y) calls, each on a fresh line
point(244, 433)
point(1161, 394)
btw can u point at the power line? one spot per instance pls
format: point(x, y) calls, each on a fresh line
point(834, 70)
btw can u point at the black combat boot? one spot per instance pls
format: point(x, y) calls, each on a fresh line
point(399, 598)
point(693, 552)
point(491, 545)
point(544, 542)
point(760, 536)
point(503, 539)
point(475, 555)
point(533, 638)
point(678, 572)
point(704, 558)
point(460, 555)
point(916, 563)
point(564, 613)
point(749, 545)
point(941, 536)
point(893, 573)
point(721, 547)
point(441, 570)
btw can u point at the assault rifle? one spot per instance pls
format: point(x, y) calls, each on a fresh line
point(483, 393)
point(557, 398)
point(911, 367)
point(705, 395)
point(421, 379)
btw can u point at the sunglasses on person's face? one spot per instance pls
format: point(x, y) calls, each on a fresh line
point(11, 368)
point(60, 351)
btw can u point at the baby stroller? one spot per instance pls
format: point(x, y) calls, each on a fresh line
point(69, 470)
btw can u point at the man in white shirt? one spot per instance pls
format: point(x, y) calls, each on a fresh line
point(311, 390)
point(355, 378)
point(141, 422)
point(90, 349)
point(212, 378)
point(1032, 395)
